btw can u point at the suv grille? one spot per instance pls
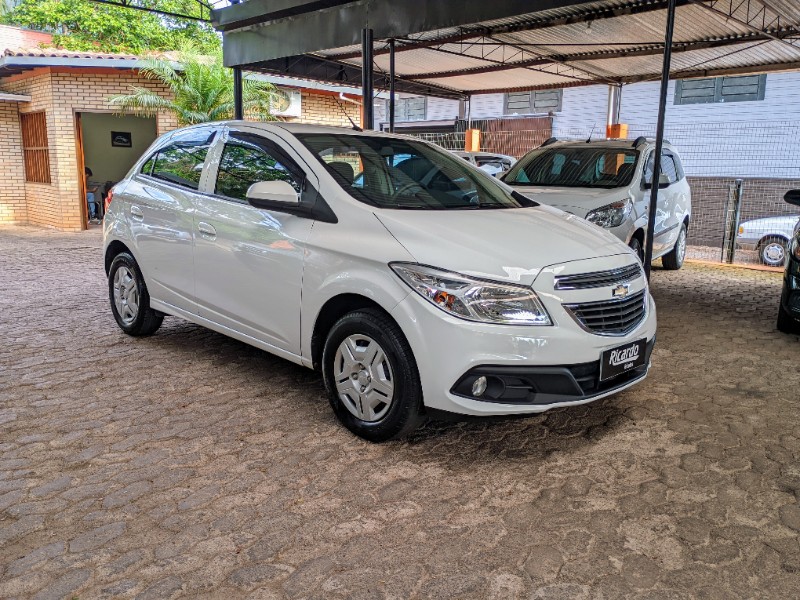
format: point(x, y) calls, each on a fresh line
point(598, 278)
point(610, 317)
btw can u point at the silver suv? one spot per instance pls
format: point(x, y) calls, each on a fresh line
point(608, 183)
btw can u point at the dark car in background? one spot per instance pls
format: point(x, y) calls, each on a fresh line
point(789, 310)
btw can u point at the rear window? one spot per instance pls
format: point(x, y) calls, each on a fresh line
point(575, 167)
point(181, 161)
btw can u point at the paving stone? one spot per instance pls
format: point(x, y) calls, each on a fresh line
point(189, 464)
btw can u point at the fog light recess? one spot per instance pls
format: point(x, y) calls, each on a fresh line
point(479, 386)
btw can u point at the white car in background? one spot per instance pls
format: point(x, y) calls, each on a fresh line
point(608, 182)
point(769, 237)
point(492, 163)
point(412, 291)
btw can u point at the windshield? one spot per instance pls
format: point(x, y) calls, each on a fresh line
point(406, 174)
point(575, 167)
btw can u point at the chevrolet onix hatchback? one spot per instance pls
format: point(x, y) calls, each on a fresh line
point(413, 281)
point(608, 182)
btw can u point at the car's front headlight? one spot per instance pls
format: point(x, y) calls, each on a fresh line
point(611, 215)
point(474, 299)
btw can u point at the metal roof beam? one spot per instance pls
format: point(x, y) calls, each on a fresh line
point(653, 50)
point(316, 29)
point(729, 16)
point(636, 7)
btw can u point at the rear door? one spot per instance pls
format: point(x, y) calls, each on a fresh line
point(249, 261)
point(160, 209)
point(674, 201)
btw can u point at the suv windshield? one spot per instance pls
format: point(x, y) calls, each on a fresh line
point(406, 174)
point(575, 167)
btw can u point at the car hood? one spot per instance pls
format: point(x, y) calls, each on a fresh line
point(578, 201)
point(502, 244)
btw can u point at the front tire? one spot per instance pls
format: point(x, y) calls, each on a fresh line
point(130, 301)
point(786, 322)
point(636, 246)
point(371, 376)
point(673, 260)
point(772, 251)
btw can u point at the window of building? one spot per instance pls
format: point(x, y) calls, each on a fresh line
point(244, 163)
point(181, 161)
point(720, 89)
point(528, 103)
point(409, 109)
point(35, 147)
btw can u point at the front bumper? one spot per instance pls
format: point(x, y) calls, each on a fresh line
point(447, 348)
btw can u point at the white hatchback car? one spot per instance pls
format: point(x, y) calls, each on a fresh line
point(319, 245)
point(608, 182)
point(769, 236)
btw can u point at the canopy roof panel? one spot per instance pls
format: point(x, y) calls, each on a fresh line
point(454, 49)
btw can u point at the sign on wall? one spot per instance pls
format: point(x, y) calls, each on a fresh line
point(121, 139)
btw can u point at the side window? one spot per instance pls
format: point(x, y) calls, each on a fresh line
point(668, 167)
point(244, 163)
point(678, 166)
point(181, 161)
point(647, 175)
point(147, 167)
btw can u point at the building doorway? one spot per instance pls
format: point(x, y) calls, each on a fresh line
point(108, 146)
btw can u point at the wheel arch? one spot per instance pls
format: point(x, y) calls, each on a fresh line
point(113, 250)
point(333, 310)
point(772, 236)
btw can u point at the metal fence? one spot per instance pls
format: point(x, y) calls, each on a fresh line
point(738, 173)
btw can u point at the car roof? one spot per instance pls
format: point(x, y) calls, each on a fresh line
point(608, 143)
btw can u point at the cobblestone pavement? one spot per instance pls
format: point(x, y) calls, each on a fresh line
point(188, 464)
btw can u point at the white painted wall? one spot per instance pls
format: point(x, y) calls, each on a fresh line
point(441, 109)
point(738, 139)
point(107, 162)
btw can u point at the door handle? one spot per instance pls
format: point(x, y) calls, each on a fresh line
point(136, 212)
point(206, 230)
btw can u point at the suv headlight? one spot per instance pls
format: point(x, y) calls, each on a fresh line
point(474, 299)
point(611, 215)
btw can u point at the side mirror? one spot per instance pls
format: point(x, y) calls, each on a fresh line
point(792, 197)
point(273, 195)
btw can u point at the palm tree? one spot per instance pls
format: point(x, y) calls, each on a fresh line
point(202, 90)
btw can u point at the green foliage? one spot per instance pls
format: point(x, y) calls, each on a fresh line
point(89, 26)
point(202, 91)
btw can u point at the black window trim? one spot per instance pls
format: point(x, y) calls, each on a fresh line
point(312, 203)
point(168, 142)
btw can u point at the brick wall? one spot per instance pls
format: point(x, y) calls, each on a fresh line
point(13, 207)
point(327, 109)
point(61, 94)
point(760, 198)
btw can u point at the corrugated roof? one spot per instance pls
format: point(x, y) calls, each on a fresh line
point(604, 41)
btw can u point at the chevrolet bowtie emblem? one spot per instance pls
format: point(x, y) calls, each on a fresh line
point(621, 290)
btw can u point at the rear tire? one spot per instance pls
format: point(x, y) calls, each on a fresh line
point(371, 376)
point(772, 251)
point(786, 322)
point(130, 301)
point(673, 260)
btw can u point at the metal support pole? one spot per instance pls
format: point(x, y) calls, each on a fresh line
point(238, 102)
point(614, 100)
point(391, 86)
point(733, 216)
point(366, 79)
point(662, 107)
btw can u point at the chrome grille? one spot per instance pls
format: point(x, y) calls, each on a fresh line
point(610, 317)
point(597, 279)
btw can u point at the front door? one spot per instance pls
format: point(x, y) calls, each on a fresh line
point(160, 202)
point(248, 261)
point(662, 206)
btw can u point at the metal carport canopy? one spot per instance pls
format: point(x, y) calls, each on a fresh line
point(457, 49)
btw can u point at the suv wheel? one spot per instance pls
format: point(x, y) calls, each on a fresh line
point(674, 259)
point(772, 251)
point(371, 376)
point(129, 299)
